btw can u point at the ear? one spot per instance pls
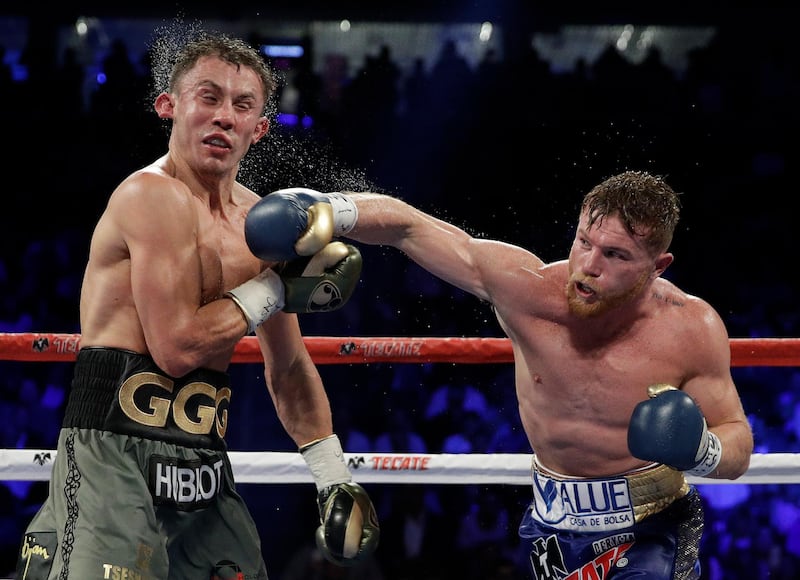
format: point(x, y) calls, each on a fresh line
point(662, 263)
point(164, 106)
point(261, 129)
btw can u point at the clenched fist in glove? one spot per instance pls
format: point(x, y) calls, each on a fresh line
point(296, 222)
point(348, 530)
point(669, 428)
point(323, 282)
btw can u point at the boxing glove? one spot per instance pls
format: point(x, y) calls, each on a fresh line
point(669, 428)
point(298, 221)
point(349, 530)
point(323, 282)
point(320, 283)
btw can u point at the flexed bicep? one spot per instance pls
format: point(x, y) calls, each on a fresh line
point(159, 228)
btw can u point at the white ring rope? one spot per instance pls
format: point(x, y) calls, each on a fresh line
point(289, 467)
point(461, 469)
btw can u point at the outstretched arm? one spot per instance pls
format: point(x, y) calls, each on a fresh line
point(490, 270)
point(475, 265)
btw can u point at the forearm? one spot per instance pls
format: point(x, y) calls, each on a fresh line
point(737, 448)
point(206, 339)
point(382, 220)
point(444, 250)
point(301, 404)
point(669, 428)
point(308, 420)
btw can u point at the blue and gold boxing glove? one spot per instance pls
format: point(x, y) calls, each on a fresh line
point(669, 428)
point(298, 221)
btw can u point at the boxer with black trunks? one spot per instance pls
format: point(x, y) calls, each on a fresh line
point(142, 486)
point(623, 380)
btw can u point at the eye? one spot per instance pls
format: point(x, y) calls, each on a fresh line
point(616, 255)
point(244, 104)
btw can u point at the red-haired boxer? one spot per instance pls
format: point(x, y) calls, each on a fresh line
point(623, 379)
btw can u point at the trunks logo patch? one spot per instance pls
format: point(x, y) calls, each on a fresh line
point(227, 570)
point(612, 542)
point(196, 408)
point(187, 484)
point(600, 567)
point(547, 561)
point(582, 505)
point(36, 555)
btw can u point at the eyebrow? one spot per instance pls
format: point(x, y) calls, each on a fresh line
point(216, 86)
point(207, 83)
point(606, 248)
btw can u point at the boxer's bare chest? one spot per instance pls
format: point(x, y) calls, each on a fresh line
point(617, 367)
point(225, 260)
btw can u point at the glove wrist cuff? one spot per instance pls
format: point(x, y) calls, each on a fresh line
point(709, 457)
point(345, 212)
point(259, 298)
point(325, 459)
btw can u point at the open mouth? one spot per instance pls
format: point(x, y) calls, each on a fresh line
point(217, 142)
point(584, 290)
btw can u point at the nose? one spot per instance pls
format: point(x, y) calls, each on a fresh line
point(224, 115)
point(592, 262)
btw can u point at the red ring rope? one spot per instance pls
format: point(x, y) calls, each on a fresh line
point(25, 464)
point(53, 347)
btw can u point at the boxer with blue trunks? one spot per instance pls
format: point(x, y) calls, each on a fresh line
point(644, 524)
point(623, 380)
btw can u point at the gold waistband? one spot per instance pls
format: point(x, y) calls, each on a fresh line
point(652, 489)
point(655, 488)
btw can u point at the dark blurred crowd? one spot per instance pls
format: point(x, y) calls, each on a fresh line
point(505, 149)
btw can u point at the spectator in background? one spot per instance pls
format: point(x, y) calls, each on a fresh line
point(420, 533)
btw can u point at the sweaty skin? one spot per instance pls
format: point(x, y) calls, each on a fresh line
point(171, 243)
point(589, 334)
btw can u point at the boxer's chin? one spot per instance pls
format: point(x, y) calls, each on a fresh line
point(582, 309)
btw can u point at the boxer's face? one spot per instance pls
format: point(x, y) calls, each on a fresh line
point(608, 266)
point(216, 113)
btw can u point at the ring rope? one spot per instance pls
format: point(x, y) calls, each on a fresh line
point(53, 347)
point(469, 468)
point(285, 467)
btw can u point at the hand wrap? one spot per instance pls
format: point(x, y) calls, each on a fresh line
point(259, 298)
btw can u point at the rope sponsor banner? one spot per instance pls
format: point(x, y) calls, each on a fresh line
point(289, 467)
point(443, 468)
point(42, 347)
